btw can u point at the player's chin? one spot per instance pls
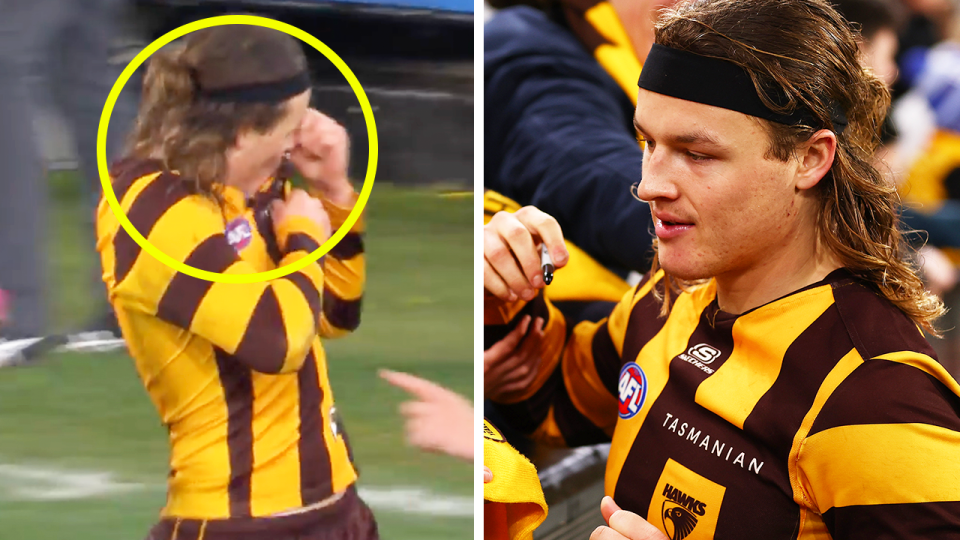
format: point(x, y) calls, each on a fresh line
point(681, 264)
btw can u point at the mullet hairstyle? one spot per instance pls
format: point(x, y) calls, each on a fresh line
point(190, 134)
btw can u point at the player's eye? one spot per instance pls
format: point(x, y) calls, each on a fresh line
point(694, 156)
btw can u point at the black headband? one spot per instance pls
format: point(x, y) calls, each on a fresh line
point(268, 92)
point(720, 83)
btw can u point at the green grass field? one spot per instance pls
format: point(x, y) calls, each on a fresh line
point(88, 416)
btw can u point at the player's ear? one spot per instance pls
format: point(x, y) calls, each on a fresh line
point(815, 157)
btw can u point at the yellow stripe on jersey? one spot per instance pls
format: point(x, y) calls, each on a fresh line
point(276, 486)
point(882, 464)
point(680, 324)
point(802, 493)
point(760, 340)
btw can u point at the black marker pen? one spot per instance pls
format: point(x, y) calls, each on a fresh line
point(546, 263)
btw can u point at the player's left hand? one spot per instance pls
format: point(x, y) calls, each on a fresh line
point(322, 155)
point(441, 421)
point(623, 525)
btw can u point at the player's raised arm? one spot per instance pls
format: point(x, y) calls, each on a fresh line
point(322, 157)
point(267, 325)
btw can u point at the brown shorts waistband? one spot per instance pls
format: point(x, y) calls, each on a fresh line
point(173, 528)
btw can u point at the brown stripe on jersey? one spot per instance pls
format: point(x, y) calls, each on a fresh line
point(301, 242)
point(577, 311)
point(315, 470)
point(527, 415)
point(492, 333)
point(883, 392)
point(606, 359)
point(162, 193)
point(644, 323)
point(238, 394)
point(126, 172)
point(183, 295)
point(876, 326)
point(309, 291)
point(577, 429)
point(349, 247)
point(806, 363)
point(263, 346)
point(341, 313)
point(927, 521)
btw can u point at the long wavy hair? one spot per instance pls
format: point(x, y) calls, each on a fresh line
point(191, 135)
point(805, 48)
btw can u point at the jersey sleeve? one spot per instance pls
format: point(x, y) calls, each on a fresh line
point(269, 326)
point(345, 272)
point(882, 458)
point(574, 399)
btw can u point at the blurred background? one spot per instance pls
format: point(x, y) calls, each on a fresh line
point(82, 452)
point(912, 45)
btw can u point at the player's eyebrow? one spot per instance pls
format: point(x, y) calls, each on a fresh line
point(698, 136)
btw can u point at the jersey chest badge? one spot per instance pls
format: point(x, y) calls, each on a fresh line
point(239, 233)
point(633, 390)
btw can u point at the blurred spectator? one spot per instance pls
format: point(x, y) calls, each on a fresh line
point(67, 44)
point(931, 114)
point(879, 22)
point(560, 92)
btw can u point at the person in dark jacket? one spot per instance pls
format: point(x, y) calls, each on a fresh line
point(560, 92)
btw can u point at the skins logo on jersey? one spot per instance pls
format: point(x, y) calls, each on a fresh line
point(239, 233)
point(633, 390)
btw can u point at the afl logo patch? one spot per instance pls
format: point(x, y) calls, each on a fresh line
point(633, 390)
point(239, 233)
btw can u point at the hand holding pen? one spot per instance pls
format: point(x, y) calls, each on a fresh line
point(513, 264)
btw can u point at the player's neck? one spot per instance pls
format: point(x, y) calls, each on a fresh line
point(774, 276)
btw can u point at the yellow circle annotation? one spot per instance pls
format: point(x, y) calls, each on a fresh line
point(276, 273)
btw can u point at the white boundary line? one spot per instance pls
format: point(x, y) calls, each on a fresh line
point(82, 342)
point(51, 484)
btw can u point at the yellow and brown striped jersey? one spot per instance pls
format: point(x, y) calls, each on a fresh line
point(822, 414)
point(237, 372)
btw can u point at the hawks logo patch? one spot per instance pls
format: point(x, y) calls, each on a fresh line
point(633, 390)
point(680, 513)
point(239, 233)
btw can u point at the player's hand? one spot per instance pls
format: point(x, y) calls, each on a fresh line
point(623, 525)
point(487, 475)
point(322, 155)
point(511, 259)
point(300, 203)
point(440, 421)
point(509, 366)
